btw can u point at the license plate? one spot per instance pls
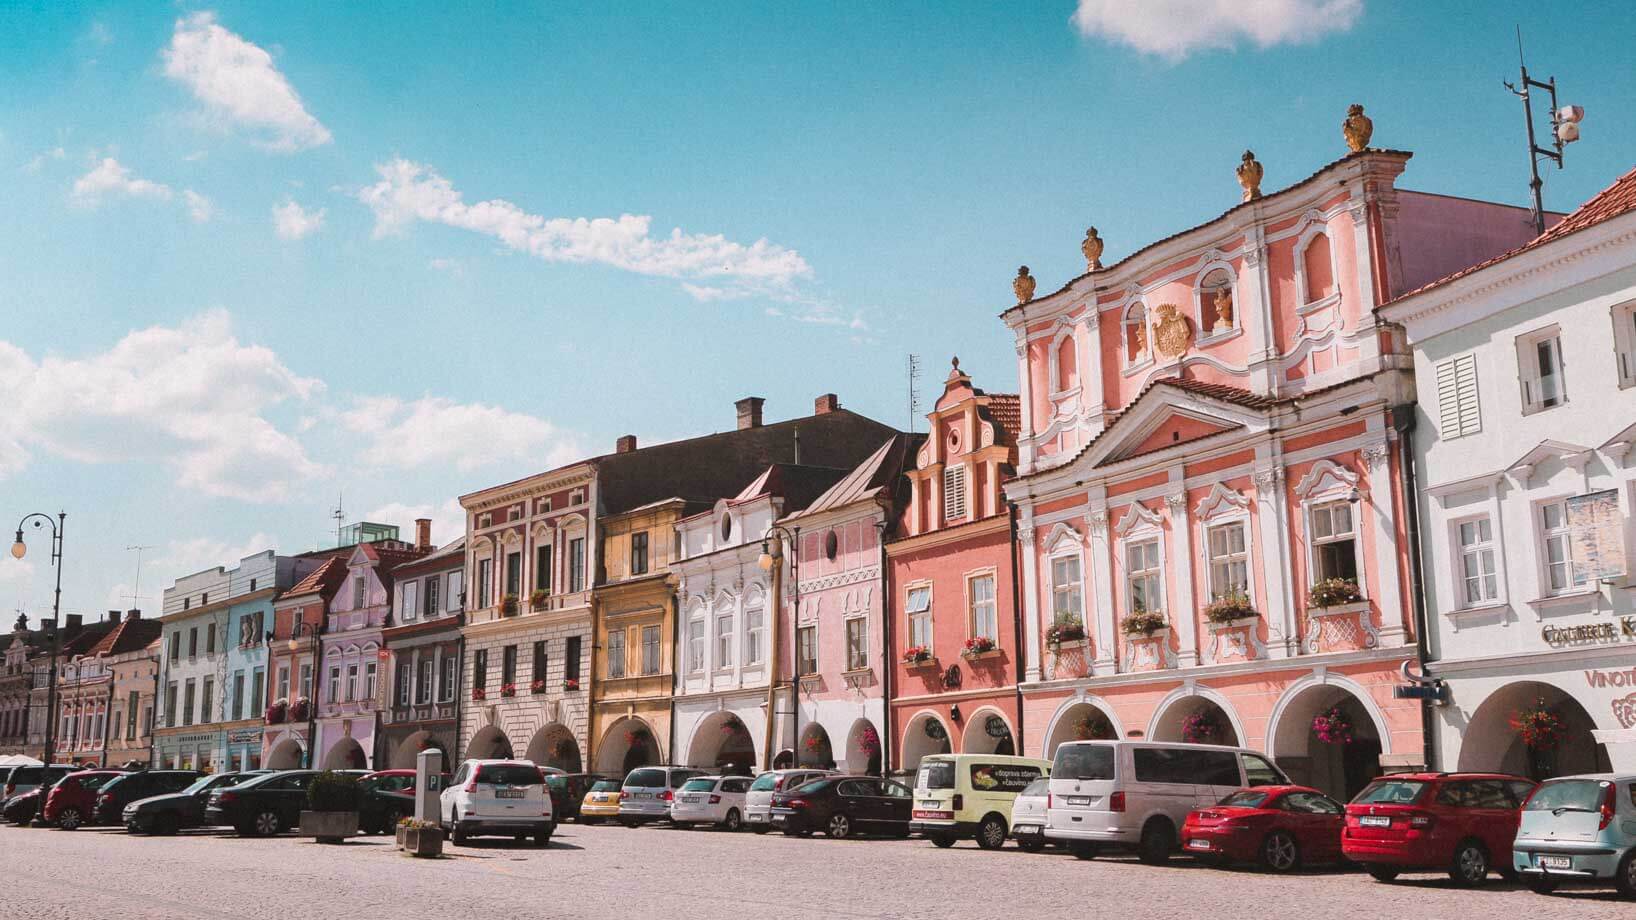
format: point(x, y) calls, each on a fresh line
point(693, 799)
point(757, 819)
point(1556, 862)
point(641, 795)
point(1027, 830)
point(1079, 800)
point(1197, 844)
point(1374, 821)
point(508, 793)
point(931, 803)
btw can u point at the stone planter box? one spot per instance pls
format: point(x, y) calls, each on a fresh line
point(329, 826)
point(401, 832)
point(424, 842)
point(979, 656)
point(1070, 645)
point(1223, 625)
point(924, 664)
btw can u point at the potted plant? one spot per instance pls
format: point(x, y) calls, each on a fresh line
point(1201, 728)
point(1333, 592)
point(1540, 728)
point(278, 712)
point(301, 709)
point(537, 598)
point(1065, 629)
point(332, 807)
point(508, 689)
point(1333, 726)
point(1094, 727)
point(570, 685)
point(1143, 623)
point(977, 646)
point(420, 838)
point(1230, 607)
point(508, 605)
point(917, 654)
point(478, 694)
point(537, 685)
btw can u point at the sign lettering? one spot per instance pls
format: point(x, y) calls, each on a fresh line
point(1620, 630)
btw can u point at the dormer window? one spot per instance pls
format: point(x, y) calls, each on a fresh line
point(954, 493)
point(1134, 331)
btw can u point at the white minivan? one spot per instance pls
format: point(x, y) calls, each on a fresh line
point(1136, 794)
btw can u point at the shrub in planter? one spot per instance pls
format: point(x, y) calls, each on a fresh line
point(508, 605)
point(332, 814)
point(977, 645)
point(420, 838)
point(1333, 592)
point(508, 689)
point(300, 710)
point(1143, 623)
point(278, 712)
point(1229, 607)
point(570, 684)
point(1066, 628)
point(537, 598)
point(537, 685)
point(916, 654)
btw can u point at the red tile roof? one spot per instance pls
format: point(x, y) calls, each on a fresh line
point(1005, 411)
point(133, 634)
point(321, 580)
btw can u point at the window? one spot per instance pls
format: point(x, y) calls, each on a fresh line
point(132, 704)
point(1258, 772)
point(306, 680)
point(1477, 577)
point(570, 659)
point(1458, 411)
point(650, 650)
point(1560, 574)
point(258, 686)
point(576, 564)
point(175, 645)
point(1539, 368)
point(423, 685)
point(358, 593)
point(445, 688)
point(1334, 542)
point(193, 642)
point(480, 669)
point(403, 683)
point(918, 606)
point(204, 599)
point(1216, 313)
point(508, 665)
point(806, 647)
point(639, 553)
point(371, 682)
point(207, 689)
point(455, 598)
point(857, 643)
point(954, 493)
point(1133, 334)
point(170, 704)
point(428, 602)
point(514, 574)
point(753, 636)
point(485, 571)
point(1229, 560)
point(542, 568)
point(252, 586)
point(187, 703)
point(187, 602)
point(210, 638)
point(333, 692)
point(1142, 576)
point(1624, 340)
point(283, 682)
point(980, 594)
point(352, 682)
point(238, 695)
point(724, 640)
point(695, 645)
point(409, 606)
point(1317, 269)
point(616, 653)
point(1067, 594)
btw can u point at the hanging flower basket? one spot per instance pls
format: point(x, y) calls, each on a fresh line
point(278, 712)
point(300, 710)
point(537, 598)
point(868, 740)
point(1066, 628)
point(1333, 592)
point(1201, 728)
point(1333, 727)
point(570, 684)
point(814, 744)
point(635, 736)
point(977, 645)
point(479, 694)
point(917, 654)
point(1229, 607)
point(563, 748)
point(537, 685)
point(731, 727)
point(508, 689)
point(1095, 727)
point(1540, 728)
point(934, 730)
point(1143, 623)
point(508, 605)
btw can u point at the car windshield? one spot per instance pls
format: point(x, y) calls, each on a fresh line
point(766, 782)
point(1083, 761)
point(1568, 795)
point(646, 779)
point(1391, 792)
point(935, 774)
point(1040, 786)
point(606, 785)
point(699, 785)
point(817, 785)
point(508, 774)
point(1246, 799)
point(200, 785)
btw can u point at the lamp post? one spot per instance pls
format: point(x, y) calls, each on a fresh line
point(311, 629)
point(18, 550)
point(771, 560)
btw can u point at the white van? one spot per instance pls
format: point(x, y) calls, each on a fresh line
point(1136, 794)
point(969, 796)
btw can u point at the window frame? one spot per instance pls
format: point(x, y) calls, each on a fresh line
point(913, 619)
point(1624, 342)
point(1530, 378)
point(806, 636)
point(1208, 527)
point(725, 645)
point(651, 638)
point(1457, 377)
point(1576, 582)
point(755, 636)
point(1077, 585)
point(1136, 538)
point(617, 656)
point(1459, 551)
point(1323, 501)
point(857, 647)
point(956, 501)
point(639, 553)
point(973, 627)
point(697, 637)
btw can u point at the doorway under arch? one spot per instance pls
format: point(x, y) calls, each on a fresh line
point(554, 746)
point(627, 744)
point(1194, 719)
point(722, 743)
point(1492, 742)
point(815, 749)
point(988, 732)
point(863, 749)
point(1080, 721)
point(926, 734)
point(346, 754)
point(286, 755)
point(490, 743)
point(1326, 737)
point(408, 752)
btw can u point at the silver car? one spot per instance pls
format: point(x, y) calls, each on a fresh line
point(1579, 829)
point(1029, 812)
point(647, 793)
point(758, 802)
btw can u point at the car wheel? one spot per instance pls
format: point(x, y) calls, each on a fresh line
point(457, 835)
point(266, 823)
point(839, 827)
point(630, 822)
point(1383, 873)
point(1030, 844)
point(942, 840)
point(1470, 866)
point(1280, 852)
point(70, 819)
point(542, 839)
point(165, 824)
point(1083, 849)
point(991, 832)
point(734, 822)
point(1539, 884)
point(1156, 843)
point(1625, 878)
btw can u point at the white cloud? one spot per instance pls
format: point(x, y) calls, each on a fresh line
point(191, 396)
point(1175, 28)
point(408, 192)
point(292, 222)
point(109, 179)
point(448, 519)
point(452, 266)
point(433, 431)
point(238, 83)
point(187, 557)
point(39, 161)
point(199, 207)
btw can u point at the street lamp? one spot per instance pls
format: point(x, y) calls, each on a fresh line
point(19, 549)
point(772, 555)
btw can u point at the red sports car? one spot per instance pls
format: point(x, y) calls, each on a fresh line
point(1278, 827)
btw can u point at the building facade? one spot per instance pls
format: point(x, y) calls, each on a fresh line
point(1526, 374)
point(132, 656)
point(16, 682)
point(424, 642)
point(290, 710)
point(78, 638)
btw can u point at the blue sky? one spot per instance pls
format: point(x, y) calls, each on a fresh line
point(245, 265)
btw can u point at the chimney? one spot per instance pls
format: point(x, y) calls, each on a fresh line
point(749, 412)
point(826, 404)
point(627, 443)
point(75, 621)
point(113, 616)
point(133, 614)
point(423, 533)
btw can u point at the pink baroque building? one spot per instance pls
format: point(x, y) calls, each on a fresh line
point(1211, 478)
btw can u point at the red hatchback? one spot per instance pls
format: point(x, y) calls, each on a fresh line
point(73, 800)
point(1462, 823)
point(1279, 827)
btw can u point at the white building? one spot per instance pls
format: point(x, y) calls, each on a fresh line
point(1526, 372)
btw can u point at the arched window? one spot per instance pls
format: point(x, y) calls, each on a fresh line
point(1218, 311)
point(1134, 329)
point(1067, 367)
point(1318, 269)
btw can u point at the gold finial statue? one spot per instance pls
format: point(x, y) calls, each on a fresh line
point(1224, 308)
point(1357, 128)
point(1092, 248)
point(1249, 176)
point(1023, 285)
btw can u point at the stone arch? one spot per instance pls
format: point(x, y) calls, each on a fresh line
point(815, 749)
point(1339, 768)
point(863, 748)
point(404, 757)
point(1084, 718)
point(925, 734)
point(721, 742)
point(979, 738)
point(346, 754)
point(287, 754)
point(627, 744)
point(554, 746)
point(1491, 743)
point(490, 743)
point(1173, 711)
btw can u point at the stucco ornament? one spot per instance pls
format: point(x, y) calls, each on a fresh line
point(1023, 285)
point(1357, 128)
point(1170, 331)
point(1249, 176)
point(1092, 248)
point(1224, 308)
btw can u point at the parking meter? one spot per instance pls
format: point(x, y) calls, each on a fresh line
point(428, 783)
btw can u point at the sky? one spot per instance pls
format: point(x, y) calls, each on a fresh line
point(256, 259)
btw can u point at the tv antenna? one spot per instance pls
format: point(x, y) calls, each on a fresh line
point(340, 516)
point(136, 595)
point(914, 390)
point(1564, 130)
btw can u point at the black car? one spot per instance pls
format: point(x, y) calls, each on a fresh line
point(123, 790)
point(265, 805)
point(28, 778)
point(568, 792)
point(843, 806)
point(167, 814)
point(23, 807)
point(384, 798)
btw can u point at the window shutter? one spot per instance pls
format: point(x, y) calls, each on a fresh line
point(954, 493)
point(1458, 409)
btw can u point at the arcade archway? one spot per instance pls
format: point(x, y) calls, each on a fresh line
point(1494, 738)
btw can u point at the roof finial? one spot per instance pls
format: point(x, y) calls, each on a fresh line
point(1249, 176)
point(1357, 128)
point(956, 362)
point(1023, 285)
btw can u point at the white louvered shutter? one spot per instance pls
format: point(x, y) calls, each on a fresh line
point(1458, 411)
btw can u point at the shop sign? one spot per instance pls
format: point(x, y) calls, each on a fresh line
point(244, 736)
point(1596, 531)
point(1621, 630)
point(1625, 711)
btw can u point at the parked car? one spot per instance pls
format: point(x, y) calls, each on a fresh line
point(385, 797)
point(646, 793)
point(842, 806)
point(969, 796)
point(1454, 822)
point(1029, 812)
point(264, 806)
point(568, 792)
point(72, 802)
point(123, 790)
point(167, 814)
point(1576, 830)
point(601, 802)
point(21, 808)
point(28, 779)
point(1281, 828)
point(717, 800)
point(758, 802)
point(1136, 794)
point(497, 797)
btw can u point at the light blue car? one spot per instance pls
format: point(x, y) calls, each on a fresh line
point(1577, 830)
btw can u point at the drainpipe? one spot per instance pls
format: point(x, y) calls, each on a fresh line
point(459, 673)
point(885, 650)
point(153, 723)
point(1403, 421)
point(107, 716)
point(1017, 624)
point(675, 637)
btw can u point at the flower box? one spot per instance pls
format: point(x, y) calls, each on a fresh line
point(1070, 645)
point(1334, 592)
point(479, 695)
point(1219, 626)
point(508, 690)
point(1067, 629)
point(1230, 608)
point(536, 686)
point(508, 605)
point(329, 826)
point(537, 599)
point(570, 685)
point(979, 647)
point(1143, 623)
point(1339, 610)
point(916, 656)
point(423, 839)
point(278, 712)
point(300, 710)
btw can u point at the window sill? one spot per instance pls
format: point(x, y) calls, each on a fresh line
point(924, 664)
point(1216, 338)
point(1565, 599)
point(1313, 307)
point(1339, 610)
point(1133, 369)
point(856, 672)
point(1070, 645)
point(1162, 632)
point(980, 656)
point(1477, 610)
point(1224, 625)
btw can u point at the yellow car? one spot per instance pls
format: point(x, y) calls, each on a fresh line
point(601, 802)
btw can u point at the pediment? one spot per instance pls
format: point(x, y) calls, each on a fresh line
point(1167, 417)
point(1549, 449)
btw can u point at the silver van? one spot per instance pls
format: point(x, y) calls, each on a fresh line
point(647, 792)
point(1136, 794)
point(1579, 829)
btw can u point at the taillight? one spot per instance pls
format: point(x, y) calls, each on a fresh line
point(798, 803)
point(1049, 801)
point(715, 799)
point(1420, 822)
point(666, 796)
point(778, 784)
point(105, 798)
point(959, 801)
point(623, 795)
point(1607, 807)
point(226, 798)
point(11, 790)
point(471, 785)
point(1116, 802)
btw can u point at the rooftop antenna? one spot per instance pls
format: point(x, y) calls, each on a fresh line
point(797, 461)
point(340, 516)
point(136, 594)
point(914, 390)
point(1564, 130)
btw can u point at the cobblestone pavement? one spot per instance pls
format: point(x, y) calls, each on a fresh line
point(614, 872)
